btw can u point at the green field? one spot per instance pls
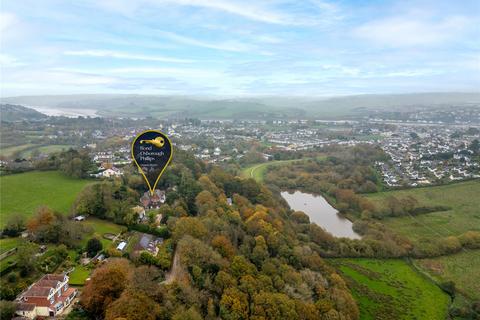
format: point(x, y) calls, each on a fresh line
point(463, 199)
point(7, 262)
point(8, 243)
point(101, 227)
point(462, 268)
point(23, 193)
point(257, 171)
point(11, 151)
point(44, 150)
point(391, 289)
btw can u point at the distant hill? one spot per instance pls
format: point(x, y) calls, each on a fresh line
point(245, 108)
point(13, 113)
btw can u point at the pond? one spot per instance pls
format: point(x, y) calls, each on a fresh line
point(321, 213)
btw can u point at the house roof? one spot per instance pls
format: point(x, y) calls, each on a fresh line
point(36, 291)
point(58, 277)
point(25, 306)
point(47, 283)
point(145, 240)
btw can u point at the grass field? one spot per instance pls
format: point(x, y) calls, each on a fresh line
point(463, 199)
point(391, 289)
point(8, 243)
point(44, 149)
point(11, 151)
point(462, 268)
point(257, 171)
point(101, 227)
point(7, 262)
point(23, 193)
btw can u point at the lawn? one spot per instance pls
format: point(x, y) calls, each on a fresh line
point(23, 193)
point(391, 289)
point(8, 243)
point(79, 275)
point(101, 227)
point(463, 199)
point(462, 268)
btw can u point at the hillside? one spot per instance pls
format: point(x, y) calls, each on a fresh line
point(13, 113)
point(265, 108)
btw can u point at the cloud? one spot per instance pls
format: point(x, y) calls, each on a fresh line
point(411, 30)
point(243, 9)
point(306, 13)
point(124, 55)
point(7, 61)
point(7, 21)
point(225, 46)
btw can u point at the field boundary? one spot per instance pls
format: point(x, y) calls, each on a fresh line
point(8, 253)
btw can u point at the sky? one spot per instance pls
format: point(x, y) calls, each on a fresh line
point(238, 48)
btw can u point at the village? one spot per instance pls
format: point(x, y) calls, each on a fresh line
point(418, 154)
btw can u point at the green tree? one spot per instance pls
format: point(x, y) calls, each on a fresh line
point(26, 259)
point(94, 245)
point(7, 310)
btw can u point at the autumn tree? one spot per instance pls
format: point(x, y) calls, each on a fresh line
point(205, 201)
point(132, 305)
point(189, 226)
point(234, 305)
point(223, 246)
point(268, 305)
point(106, 285)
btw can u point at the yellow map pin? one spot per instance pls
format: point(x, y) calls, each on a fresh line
point(152, 152)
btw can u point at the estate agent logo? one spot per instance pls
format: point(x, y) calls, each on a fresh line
point(152, 152)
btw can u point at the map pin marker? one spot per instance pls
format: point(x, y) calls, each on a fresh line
point(152, 151)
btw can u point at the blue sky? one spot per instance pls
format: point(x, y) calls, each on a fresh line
point(239, 48)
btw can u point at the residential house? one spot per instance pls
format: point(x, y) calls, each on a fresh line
point(140, 211)
point(153, 201)
point(48, 297)
point(148, 243)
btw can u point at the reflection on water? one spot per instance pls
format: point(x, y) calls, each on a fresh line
point(66, 112)
point(321, 213)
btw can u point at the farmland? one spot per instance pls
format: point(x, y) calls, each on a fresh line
point(23, 193)
point(391, 289)
point(47, 149)
point(459, 268)
point(13, 150)
point(461, 198)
